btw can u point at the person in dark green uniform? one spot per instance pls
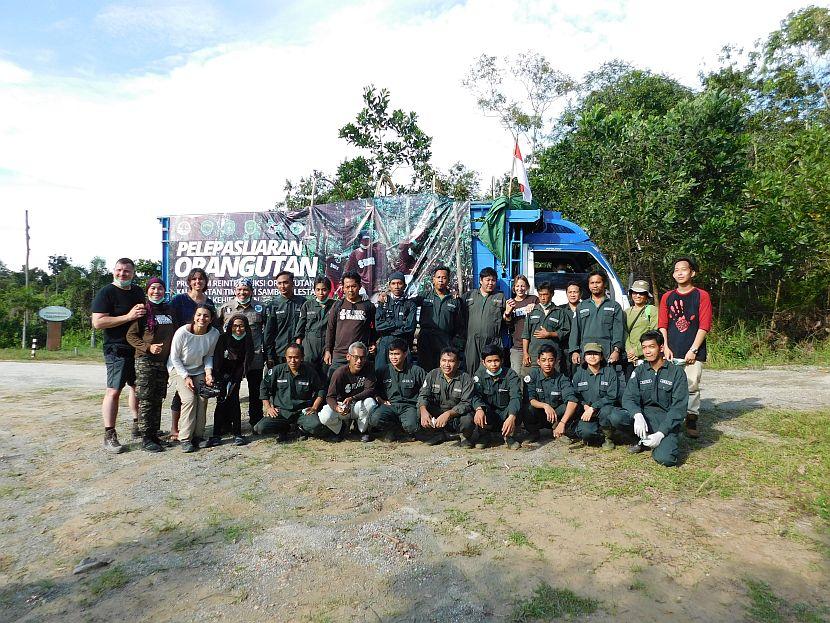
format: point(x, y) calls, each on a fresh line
point(600, 320)
point(395, 318)
point(398, 385)
point(446, 395)
point(545, 325)
point(548, 394)
point(311, 328)
point(290, 390)
point(497, 401)
point(485, 317)
point(283, 318)
point(441, 322)
point(598, 387)
point(654, 403)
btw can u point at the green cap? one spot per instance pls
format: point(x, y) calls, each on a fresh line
point(593, 347)
point(640, 286)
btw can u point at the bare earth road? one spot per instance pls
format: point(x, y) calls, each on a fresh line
point(313, 531)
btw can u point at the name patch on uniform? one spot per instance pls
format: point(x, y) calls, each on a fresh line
point(282, 380)
point(300, 382)
point(608, 309)
point(646, 381)
point(603, 382)
point(667, 382)
point(582, 384)
point(456, 390)
point(584, 312)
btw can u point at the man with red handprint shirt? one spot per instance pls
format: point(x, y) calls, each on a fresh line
point(684, 319)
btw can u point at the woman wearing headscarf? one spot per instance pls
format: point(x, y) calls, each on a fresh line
point(232, 357)
point(151, 336)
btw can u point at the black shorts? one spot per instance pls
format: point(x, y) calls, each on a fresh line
point(120, 362)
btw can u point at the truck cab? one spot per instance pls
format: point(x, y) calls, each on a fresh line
point(543, 246)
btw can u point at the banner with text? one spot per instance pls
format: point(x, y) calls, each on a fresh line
point(374, 237)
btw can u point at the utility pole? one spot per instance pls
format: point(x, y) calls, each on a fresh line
point(26, 267)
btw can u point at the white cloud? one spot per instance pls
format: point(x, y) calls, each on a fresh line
point(13, 74)
point(182, 23)
point(97, 162)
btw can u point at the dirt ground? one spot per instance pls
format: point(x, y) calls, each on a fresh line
point(313, 531)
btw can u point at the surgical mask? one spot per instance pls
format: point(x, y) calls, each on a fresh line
point(155, 299)
point(244, 301)
point(239, 338)
point(122, 284)
point(365, 247)
point(496, 373)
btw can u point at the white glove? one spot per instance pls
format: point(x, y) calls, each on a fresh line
point(640, 426)
point(653, 440)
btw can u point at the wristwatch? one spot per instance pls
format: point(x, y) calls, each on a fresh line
point(694, 350)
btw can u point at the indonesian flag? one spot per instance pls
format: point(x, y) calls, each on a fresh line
point(521, 174)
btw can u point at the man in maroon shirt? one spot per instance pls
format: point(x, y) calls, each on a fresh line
point(351, 320)
point(684, 319)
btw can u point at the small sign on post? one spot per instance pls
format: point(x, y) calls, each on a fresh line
point(54, 315)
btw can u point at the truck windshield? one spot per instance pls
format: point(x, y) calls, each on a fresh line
point(562, 267)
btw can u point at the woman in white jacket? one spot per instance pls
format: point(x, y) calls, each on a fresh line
point(191, 361)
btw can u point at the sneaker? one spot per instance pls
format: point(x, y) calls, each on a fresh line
point(187, 446)
point(512, 443)
point(636, 448)
point(136, 432)
point(111, 442)
point(366, 438)
point(198, 442)
point(481, 442)
point(303, 436)
point(388, 436)
point(212, 442)
point(436, 439)
point(608, 444)
point(691, 426)
point(465, 443)
point(239, 441)
point(151, 445)
point(282, 436)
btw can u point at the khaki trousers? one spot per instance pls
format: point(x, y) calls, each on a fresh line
point(693, 374)
point(194, 409)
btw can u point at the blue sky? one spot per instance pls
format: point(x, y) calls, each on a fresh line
point(115, 113)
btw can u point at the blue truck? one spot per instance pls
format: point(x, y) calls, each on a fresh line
point(539, 244)
point(544, 247)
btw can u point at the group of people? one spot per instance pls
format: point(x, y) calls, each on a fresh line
point(480, 367)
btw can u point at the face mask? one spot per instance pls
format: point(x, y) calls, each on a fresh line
point(365, 247)
point(122, 284)
point(244, 301)
point(239, 338)
point(155, 300)
point(496, 373)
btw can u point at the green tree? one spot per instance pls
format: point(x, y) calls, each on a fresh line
point(519, 91)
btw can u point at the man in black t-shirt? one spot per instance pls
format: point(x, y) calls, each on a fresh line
point(115, 306)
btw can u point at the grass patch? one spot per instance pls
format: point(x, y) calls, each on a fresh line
point(519, 539)
point(778, 454)
point(457, 517)
point(109, 579)
point(552, 474)
point(85, 353)
point(549, 603)
point(766, 607)
point(742, 346)
point(471, 550)
point(231, 530)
